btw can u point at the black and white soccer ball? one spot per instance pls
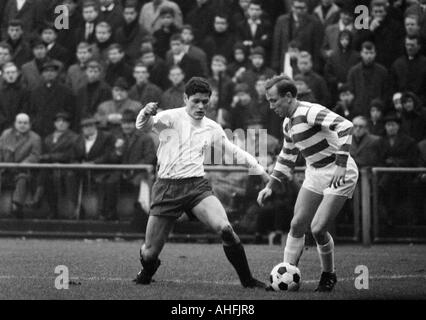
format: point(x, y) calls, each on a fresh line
point(285, 277)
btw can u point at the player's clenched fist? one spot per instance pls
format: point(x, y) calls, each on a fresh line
point(263, 195)
point(150, 109)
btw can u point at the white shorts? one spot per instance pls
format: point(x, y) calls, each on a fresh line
point(318, 180)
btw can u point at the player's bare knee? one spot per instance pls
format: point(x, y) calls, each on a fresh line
point(227, 234)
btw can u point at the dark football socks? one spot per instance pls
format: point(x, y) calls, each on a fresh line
point(237, 257)
point(148, 271)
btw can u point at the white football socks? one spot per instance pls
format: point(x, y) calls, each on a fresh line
point(326, 255)
point(293, 249)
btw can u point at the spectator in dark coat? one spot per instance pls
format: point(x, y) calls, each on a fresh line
point(112, 13)
point(96, 91)
point(239, 62)
point(163, 35)
point(221, 41)
point(144, 91)
point(339, 63)
point(344, 106)
point(297, 25)
point(190, 66)
point(409, 71)
point(364, 148)
point(327, 12)
point(76, 75)
point(413, 120)
point(21, 51)
point(31, 71)
point(5, 54)
point(131, 147)
point(95, 147)
point(130, 35)
point(19, 145)
point(14, 97)
point(103, 41)
point(28, 12)
point(157, 68)
point(173, 97)
point(49, 98)
point(367, 80)
point(385, 33)
point(222, 82)
point(255, 30)
point(58, 147)
point(314, 81)
point(87, 30)
point(117, 66)
point(55, 51)
point(201, 18)
point(376, 125)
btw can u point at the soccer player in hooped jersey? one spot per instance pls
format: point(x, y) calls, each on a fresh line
point(323, 138)
point(185, 134)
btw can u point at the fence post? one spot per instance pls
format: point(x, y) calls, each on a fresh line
point(366, 207)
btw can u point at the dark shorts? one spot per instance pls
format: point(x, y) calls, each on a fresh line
point(172, 198)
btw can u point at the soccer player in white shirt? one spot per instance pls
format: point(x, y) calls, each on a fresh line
point(323, 138)
point(185, 134)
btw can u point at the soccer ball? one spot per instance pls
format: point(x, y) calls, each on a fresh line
point(285, 277)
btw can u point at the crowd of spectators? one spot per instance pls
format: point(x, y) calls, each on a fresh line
point(70, 95)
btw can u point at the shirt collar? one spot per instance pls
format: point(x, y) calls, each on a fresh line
point(257, 21)
point(92, 138)
point(109, 8)
point(343, 27)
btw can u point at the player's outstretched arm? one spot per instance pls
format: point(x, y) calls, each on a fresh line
point(148, 119)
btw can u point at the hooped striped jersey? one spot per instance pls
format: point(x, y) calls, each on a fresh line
point(320, 135)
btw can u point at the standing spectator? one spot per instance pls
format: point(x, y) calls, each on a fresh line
point(55, 51)
point(412, 29)
point(239, 60)
point(149, 17)
point(31, 71)
point(396, 104)
point(5, 54)
point(220, 80)
point(130, 35)
point(95, 147)
point(413, 120)
point(297, 25)
point(94, 92)
point(14, 97)
point(339, 63)
point(190, 49)
point(304, 93)
point(49, 98)
point(242, 107)
point(117, 66)
point(314, 81)
point(331, 41)
point(190, 66)
point(221, 41)
point(257, 69)
point(110, 112)
point(239, 13)
point(201, 18)
point(418, 8)
point(173, 97)
point(163, 35)
point(28, 11)
point(144, 91)
point(367, 80)
point(376, 125)
point(409, 71)
point(157, 68)
point(131, 147)
point(87, 31)
point(58, 147)
point(103, 41)
point(364, 148)
point(112, 13)
point(21, 51)
point(254, 30)
point(344, 106)
point(19, 145)
point(76, 75)
point(327, 12)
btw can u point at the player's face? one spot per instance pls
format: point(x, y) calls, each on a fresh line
point(196, 105)
point(277, 104)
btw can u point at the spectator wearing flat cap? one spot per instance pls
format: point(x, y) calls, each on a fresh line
point(131, 147)
point(14, 97)
point(396, 149)
point(256, 69)
point(94, 92)
point(110, 112)
point(19, 144)
point(49, 98)
point(58, 147)
point(94, 146)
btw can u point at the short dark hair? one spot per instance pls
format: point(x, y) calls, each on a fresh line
point(256, 3)
point(116, 46)
point(414, 37)
point(284, 85)
point(15, 23)
point(176, 37)
point(197, 85)
point(368, 45)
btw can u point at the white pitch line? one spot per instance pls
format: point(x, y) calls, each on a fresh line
point(222, 283)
